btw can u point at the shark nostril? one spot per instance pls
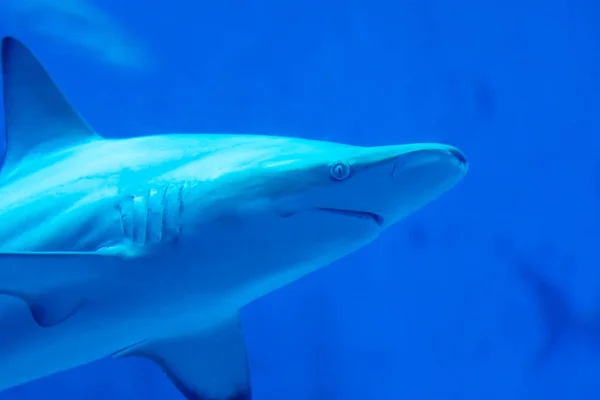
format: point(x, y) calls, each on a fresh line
point(459, 156)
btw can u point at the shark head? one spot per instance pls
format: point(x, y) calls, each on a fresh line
point(303, 201)
point(371, 188)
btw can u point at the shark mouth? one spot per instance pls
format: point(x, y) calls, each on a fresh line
point(378, 219)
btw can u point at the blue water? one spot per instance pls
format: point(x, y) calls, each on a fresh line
point(492, 292)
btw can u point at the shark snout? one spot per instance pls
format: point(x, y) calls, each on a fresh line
point(405, 178)
point(440, 158)
point(420, 153)
point(460, 156)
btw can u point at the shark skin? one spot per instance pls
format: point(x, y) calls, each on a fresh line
point(149, 246)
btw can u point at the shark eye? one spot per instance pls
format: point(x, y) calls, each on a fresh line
point(339, 171)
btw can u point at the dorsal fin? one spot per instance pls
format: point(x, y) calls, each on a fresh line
point(38, 117)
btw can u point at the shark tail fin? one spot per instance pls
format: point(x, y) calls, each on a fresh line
point(557, 314)
point(39, 120)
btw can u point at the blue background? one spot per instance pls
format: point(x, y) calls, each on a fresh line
point(491, 292)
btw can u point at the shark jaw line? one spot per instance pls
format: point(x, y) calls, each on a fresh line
point(378, 219)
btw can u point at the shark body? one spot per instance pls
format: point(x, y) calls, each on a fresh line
point(150, 246)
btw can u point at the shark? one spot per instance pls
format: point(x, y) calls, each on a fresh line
point(561, 322)
point(149, 246)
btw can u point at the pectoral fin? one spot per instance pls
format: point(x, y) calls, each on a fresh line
point(210, 365)
point(56, 285)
